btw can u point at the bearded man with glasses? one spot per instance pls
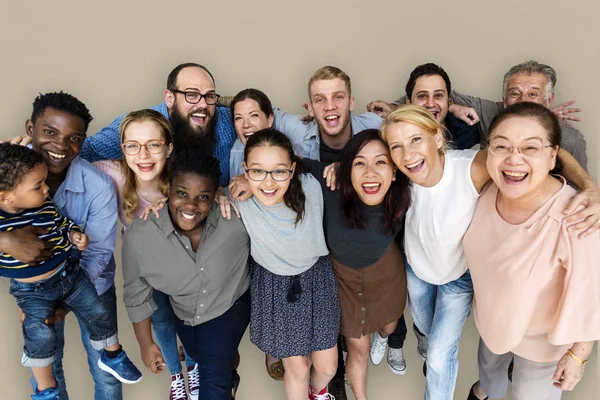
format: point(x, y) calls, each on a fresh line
point(191, 107)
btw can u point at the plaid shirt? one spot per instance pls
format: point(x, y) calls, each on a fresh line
point(106, 144)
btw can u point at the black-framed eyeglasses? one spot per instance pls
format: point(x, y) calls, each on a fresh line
point(195, 97)
point(278, 175)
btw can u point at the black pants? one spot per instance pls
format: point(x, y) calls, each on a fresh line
point(395, 341)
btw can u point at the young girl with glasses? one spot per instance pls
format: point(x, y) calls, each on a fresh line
point(295, 310)
point(141, 178)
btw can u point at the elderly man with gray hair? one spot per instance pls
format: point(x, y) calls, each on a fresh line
point(533, 82)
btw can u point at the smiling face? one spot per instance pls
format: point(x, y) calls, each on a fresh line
point(29, 193)
point(58, 136)
point(269, 158)
point(145, 165)
point(248, 118)
point(372, 173)
point(430, 92)
point(330, 105)
point(190, 201)
point(196, 118)
point(415, 152)
point(528, 87)
point(516, 174)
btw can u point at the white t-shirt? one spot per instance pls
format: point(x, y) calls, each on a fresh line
point(437, 220)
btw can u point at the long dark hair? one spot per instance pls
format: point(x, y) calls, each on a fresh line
point(396, 200)
point(294, 197)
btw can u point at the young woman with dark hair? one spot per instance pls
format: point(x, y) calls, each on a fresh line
point(295, 309)
point(362, 218)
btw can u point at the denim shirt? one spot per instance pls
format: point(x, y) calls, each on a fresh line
point(106, 144)
point(88, 198)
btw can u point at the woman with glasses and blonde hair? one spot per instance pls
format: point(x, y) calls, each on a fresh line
point(537, 286)
point(141, 178)
point(445, 189)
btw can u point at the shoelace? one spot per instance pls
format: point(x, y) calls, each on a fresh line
point(325, 396)
point(178, 388)
point(380, 346)
point(193, 378)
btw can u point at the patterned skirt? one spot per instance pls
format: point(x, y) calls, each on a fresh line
point(282, 328)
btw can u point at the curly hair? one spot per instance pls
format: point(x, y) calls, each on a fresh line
point(62, 102)
point(15, 163)
point(197, 162)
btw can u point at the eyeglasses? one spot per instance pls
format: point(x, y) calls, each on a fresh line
point(131, 148)
point(195, 97)
point(502, 148)
point(278, 175)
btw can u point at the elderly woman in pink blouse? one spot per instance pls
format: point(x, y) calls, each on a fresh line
point(537, 285)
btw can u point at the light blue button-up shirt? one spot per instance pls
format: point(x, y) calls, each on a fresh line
point(88, 198)
point(304, 137)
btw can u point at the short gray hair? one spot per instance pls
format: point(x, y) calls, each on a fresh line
point(531, 67)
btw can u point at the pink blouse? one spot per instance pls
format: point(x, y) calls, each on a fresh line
point(537, 286)
point(113, 169)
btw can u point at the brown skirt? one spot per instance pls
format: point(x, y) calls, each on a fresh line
point(371, 297)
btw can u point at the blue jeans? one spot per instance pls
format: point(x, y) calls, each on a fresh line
point(440, 311)
point(106, 387)
point(71, 287)
point(214, 344)
point(163, 325)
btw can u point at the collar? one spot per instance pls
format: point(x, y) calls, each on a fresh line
point(74, 180)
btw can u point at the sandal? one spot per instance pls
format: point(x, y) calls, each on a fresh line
point(276, 369)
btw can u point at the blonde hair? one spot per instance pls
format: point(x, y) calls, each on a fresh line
point(130, 196)
point(327, 73)
point(418, 116)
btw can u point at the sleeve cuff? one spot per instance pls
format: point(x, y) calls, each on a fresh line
point(141, 312)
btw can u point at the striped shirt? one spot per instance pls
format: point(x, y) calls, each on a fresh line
point(45, 216)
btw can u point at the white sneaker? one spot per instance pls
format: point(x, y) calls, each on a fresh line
point(193, 382)
point(396, 361)
point(378, 346)
point(421, 344)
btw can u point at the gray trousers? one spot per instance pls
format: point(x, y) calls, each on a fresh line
point(531, 380)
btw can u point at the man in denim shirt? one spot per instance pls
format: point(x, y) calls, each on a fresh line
point(190, 106)
point(85, 195)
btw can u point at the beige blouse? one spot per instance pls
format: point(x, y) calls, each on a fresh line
point(537, 286)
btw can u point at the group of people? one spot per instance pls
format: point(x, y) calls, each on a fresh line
point(312, 230)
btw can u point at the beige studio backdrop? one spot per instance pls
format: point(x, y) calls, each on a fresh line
point(115, 57)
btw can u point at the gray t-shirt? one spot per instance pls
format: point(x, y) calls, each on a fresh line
point(276, 243)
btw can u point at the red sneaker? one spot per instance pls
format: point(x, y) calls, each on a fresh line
point(322, 395)
point(177, 388)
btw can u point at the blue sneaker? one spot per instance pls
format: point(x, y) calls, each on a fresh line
point(120, 367)
point(48, 394)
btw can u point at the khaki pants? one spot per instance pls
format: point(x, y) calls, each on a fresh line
point(531, 380)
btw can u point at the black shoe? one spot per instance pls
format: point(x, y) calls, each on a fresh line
point(510, 370)
point(472, 394)
point(337, 389)
point(425, 369)
point(236, 383)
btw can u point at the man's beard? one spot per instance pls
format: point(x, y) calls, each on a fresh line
point(186, 137)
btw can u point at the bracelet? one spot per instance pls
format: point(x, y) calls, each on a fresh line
point(574, 357)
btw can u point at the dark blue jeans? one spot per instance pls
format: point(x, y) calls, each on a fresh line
point(214, 345)
point(38, 300)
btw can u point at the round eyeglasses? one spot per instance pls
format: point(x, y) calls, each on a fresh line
point(131, 148)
